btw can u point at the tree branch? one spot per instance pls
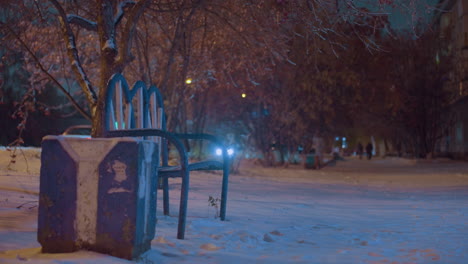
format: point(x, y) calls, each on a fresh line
point(120, 11)
point(129, 31)
point(72, 52)
point(81, 21)
point(52, 78)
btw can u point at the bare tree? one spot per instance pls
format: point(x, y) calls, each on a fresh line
point(228, 46)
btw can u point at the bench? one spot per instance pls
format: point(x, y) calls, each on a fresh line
point(139, 112)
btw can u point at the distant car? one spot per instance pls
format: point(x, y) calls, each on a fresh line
point(78, 130)
point(230, 152)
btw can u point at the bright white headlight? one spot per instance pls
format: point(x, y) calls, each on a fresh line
point(219, 151)
point(230, 151)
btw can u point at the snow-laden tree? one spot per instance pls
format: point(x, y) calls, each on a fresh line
point(226, 47)
point(86, 42)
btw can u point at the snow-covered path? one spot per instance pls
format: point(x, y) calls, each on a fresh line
point(379, 211)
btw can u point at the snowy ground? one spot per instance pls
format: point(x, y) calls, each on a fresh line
point(388, 211)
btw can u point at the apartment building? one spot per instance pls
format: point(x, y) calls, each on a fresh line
point(453, 25)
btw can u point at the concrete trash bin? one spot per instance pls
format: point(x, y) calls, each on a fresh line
point(97, 194)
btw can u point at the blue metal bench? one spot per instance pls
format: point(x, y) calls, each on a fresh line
point(139, 112)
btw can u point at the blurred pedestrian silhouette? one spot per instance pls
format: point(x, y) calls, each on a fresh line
point(369, 149)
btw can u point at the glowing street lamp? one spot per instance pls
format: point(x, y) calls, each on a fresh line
point(188, 81)
point(243, 95)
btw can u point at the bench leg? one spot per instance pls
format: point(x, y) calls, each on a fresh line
point(224, 190)
point(183, 205)
point(166, 195)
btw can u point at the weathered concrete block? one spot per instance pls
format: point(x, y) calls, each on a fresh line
point(97, 194)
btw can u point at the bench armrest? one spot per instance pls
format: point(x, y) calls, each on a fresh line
point(209, 137)
point(174, 139)
point(152, 132)
point(200, 136)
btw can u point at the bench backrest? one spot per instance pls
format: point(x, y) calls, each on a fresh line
point(135, 108)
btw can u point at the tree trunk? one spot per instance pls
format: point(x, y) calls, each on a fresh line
point(108, 64)
point(98, 113)
point(98, 125)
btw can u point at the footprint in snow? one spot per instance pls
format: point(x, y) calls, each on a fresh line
point(268, 238)
point(162, 240)
point(210, 247)
point(276, 233)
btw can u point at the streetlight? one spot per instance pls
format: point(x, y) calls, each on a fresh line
point(243, 95)
point(188, 81)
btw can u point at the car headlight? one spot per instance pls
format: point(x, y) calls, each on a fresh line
point(219, 151)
